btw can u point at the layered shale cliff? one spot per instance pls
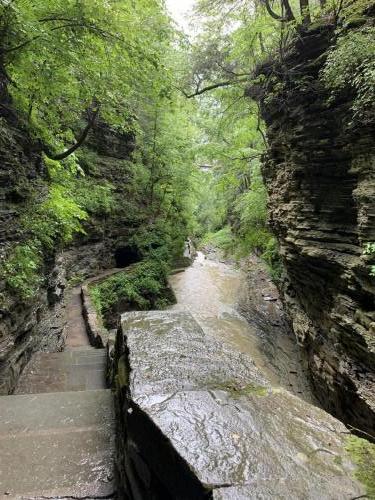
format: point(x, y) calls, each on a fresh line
point(320, 176)
point(36, 322)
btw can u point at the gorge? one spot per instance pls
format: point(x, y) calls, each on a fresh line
point(253, 140)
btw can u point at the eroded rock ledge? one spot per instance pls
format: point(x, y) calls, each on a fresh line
point(320, 176)
point(197, 420)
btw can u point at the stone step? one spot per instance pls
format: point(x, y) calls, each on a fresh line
point(74, 370)
point(57, 445)
point(81, 348)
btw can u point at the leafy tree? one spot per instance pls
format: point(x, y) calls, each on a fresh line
point(66, 60)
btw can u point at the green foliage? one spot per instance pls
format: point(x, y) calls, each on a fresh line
point(56, 220)
point(251, 205)
point(96, 199)
point(363, 454)
point(52, 46)
point(370, 250)
point(51, 220)
point(351, 64)
point(222, 239)
point(21, 269)
point(142, 286)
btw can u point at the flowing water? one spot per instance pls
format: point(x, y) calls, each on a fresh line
point(211, 291)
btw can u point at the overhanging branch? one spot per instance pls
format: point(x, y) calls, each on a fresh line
point(276, 16)
point(80, 140)
point(213, 87)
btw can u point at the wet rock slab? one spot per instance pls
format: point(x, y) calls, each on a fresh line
point(168, 351)
point(202, 421)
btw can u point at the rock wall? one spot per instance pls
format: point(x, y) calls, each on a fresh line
point(38, 323)
point(320, 176)
point(105, 158)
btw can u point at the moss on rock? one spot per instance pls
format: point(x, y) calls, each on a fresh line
point(362, 453)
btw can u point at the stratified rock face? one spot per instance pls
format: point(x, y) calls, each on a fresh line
point(197, 420)
point(38, 323)
point(320, 175)
point(109, 154)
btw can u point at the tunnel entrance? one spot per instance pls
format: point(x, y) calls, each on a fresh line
point(124, 256)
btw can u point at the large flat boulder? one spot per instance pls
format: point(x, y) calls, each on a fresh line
point(200, 421)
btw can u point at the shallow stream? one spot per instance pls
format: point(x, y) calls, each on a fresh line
point(213, 291)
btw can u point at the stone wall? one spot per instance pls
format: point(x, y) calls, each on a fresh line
point(197, 420)
point(320, 175)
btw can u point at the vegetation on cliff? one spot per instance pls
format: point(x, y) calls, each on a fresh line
point(66, 68)
point(142, 286)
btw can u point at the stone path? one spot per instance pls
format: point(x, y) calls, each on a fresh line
point(57, 431)
point(75, 327)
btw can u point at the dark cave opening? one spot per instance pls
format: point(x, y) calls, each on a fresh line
point(124, 256)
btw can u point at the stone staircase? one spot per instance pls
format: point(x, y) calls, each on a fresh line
point(57, 430)
point(81, 369)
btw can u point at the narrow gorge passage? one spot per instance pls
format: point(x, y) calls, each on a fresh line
point(131, 134)
point(212, 291)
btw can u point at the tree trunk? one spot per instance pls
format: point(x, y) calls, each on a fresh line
point(288, 10)
point(305, 11)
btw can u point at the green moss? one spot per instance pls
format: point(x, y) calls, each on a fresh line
point(337, 460)
point(362, 453)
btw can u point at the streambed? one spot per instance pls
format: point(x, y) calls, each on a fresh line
point(243, 310)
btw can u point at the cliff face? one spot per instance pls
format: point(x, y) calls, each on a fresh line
point(105, 160)
point(37, 323)
point(22, 175)
point(320, 176)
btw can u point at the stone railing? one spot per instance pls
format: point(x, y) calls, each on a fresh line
point(97, 333)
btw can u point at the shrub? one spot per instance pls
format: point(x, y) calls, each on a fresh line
point(222, 239)
point(20, 270)
point(142, 286)
point(350, 64)
point(56, 220)
point(370, 250)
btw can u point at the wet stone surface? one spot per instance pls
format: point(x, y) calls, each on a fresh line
point(203, 421)
point(75, 370)
point(170, 352)
point(57, 445)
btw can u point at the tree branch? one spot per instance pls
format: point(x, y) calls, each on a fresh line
point(70, 24)
point(273, 14)
point(80, 140)
point(213, 87)
point(259, 129)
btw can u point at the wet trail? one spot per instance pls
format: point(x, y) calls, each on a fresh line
point(212, 291)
